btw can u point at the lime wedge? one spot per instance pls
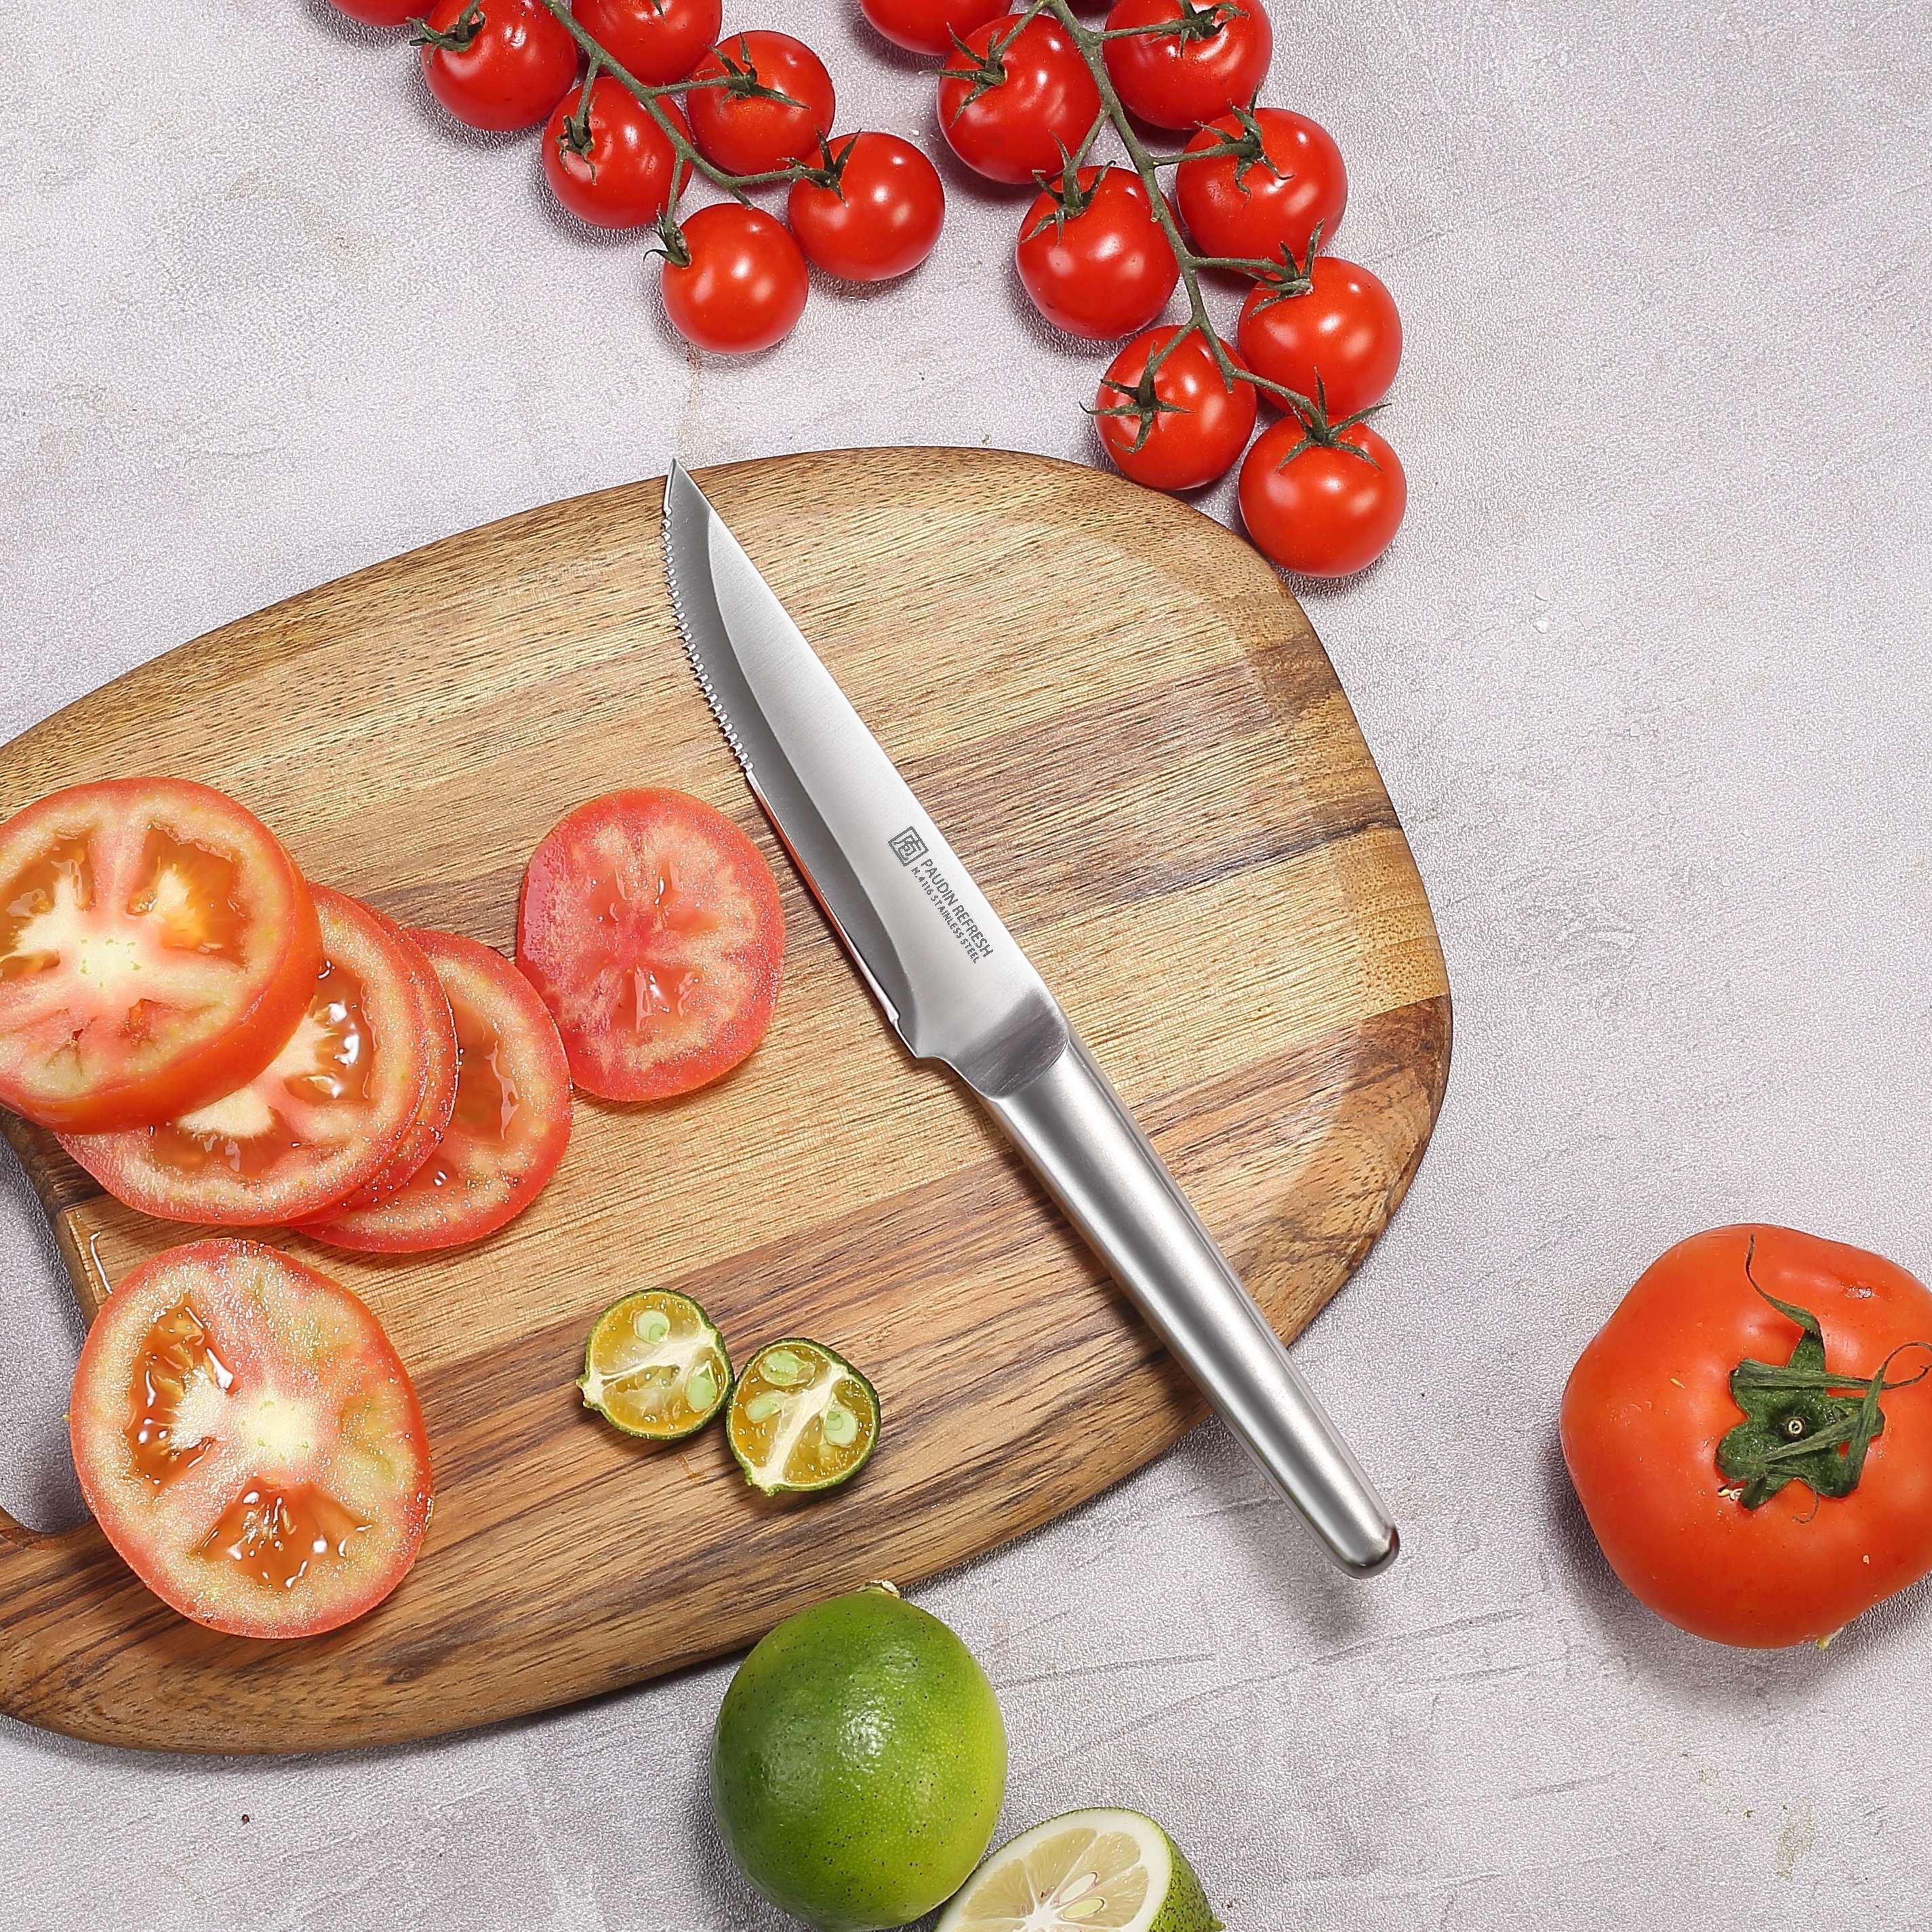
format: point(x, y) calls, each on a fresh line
point(802, 1417)
point(1091, 1871)
point(655, 1366)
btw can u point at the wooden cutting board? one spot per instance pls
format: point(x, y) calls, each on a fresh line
point(1126, 726)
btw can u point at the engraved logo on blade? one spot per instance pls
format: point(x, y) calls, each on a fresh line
point(907, 847)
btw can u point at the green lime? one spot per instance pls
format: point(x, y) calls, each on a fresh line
point(859, 1763)
point(655, 1366)
point(1116, 1871)
point(801, 1418)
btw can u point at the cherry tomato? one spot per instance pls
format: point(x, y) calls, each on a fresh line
point(739, 126)
point(1285, 179)
point(651, 926)
point(511, 1122)
point(621, 174)
point(1687, 1425)
point(742, 285)
point(326, 1115)
point(1095, 262)
point(1215, 59)
point(927, 26)
point(879, 217)
point(1200, 431)
point(380, 12)
point(249, 1441)
point(1335, 328)
point(1324, 510)
point(1017, 104)
point(156, 946)
point(497, 63)
point(656, 41)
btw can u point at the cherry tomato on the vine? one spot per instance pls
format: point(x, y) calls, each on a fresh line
point(1019, 100)
point(1335, 328)
point(878, 215)
point(496, 64)
point(656, 41)
point(1325, 508)
point(1215, 57)
point(736, 280)
point(1262, 182)
point(742, 125)
point(614, 165)
point(1718, 1431)
point(1182, 426)
point(380, 12)
point(927, 26)
point(1094, 258)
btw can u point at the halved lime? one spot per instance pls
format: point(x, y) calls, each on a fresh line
point(1089, 1871)
point(656, 1366)
point(802, 1417)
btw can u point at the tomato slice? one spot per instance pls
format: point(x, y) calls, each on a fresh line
point(437, 1027)
point(249, 1442)
point(651, 926)
point(156, 946)
point(512, 1121)
point(323, 1120)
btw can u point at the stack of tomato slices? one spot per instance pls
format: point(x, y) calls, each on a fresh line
point(217, 1041)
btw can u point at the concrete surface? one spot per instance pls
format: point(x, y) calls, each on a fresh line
point(1646, 673)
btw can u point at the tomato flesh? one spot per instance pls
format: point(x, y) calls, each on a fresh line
point(249, 1441)
point(651, 926)
point(510, 1124)
point(156, 946)
point(352, 1083)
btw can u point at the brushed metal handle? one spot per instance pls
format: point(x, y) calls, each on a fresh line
point(1071, 1126)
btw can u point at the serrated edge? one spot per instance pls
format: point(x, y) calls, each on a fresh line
point(718, 715)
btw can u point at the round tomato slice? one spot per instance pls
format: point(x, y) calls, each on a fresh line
point(249, 1441)
point(512, 1122)
point(651, 926)
point(156, 946)
point(321, 1121)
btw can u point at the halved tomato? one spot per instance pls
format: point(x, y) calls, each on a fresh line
point(156, 946)
point(651, 926)
point(326, 1115)
point(249, 1442)
point(510, 1125)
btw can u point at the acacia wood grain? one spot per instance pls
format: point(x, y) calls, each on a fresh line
point(1132, 735)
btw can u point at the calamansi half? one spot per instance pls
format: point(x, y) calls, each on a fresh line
point(656, 1366)
point(802, 1418)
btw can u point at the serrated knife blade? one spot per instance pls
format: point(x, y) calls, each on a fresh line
point(958, 989)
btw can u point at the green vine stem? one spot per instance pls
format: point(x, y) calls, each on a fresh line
point(652, 99)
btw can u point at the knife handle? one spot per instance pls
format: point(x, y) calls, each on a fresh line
point(1082, 1142)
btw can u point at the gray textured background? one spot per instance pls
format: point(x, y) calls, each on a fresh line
point(1646, 673)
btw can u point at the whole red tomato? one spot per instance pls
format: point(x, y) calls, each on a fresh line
point(734, 280)
point(927, 26)
point(1715, 1430)
point(872, 211)
point(614, 165)
point(380, 13)
point(1263, 181)
point(1180, 426)
point(1326, 509)
point(496, 64)
point(1214, 58)
point(1333, 327)
point(656, 41)
point(1019, 100)
point(774, 104)
point(1094, 258)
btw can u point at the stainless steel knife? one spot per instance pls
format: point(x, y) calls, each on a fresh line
point(959, 991)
